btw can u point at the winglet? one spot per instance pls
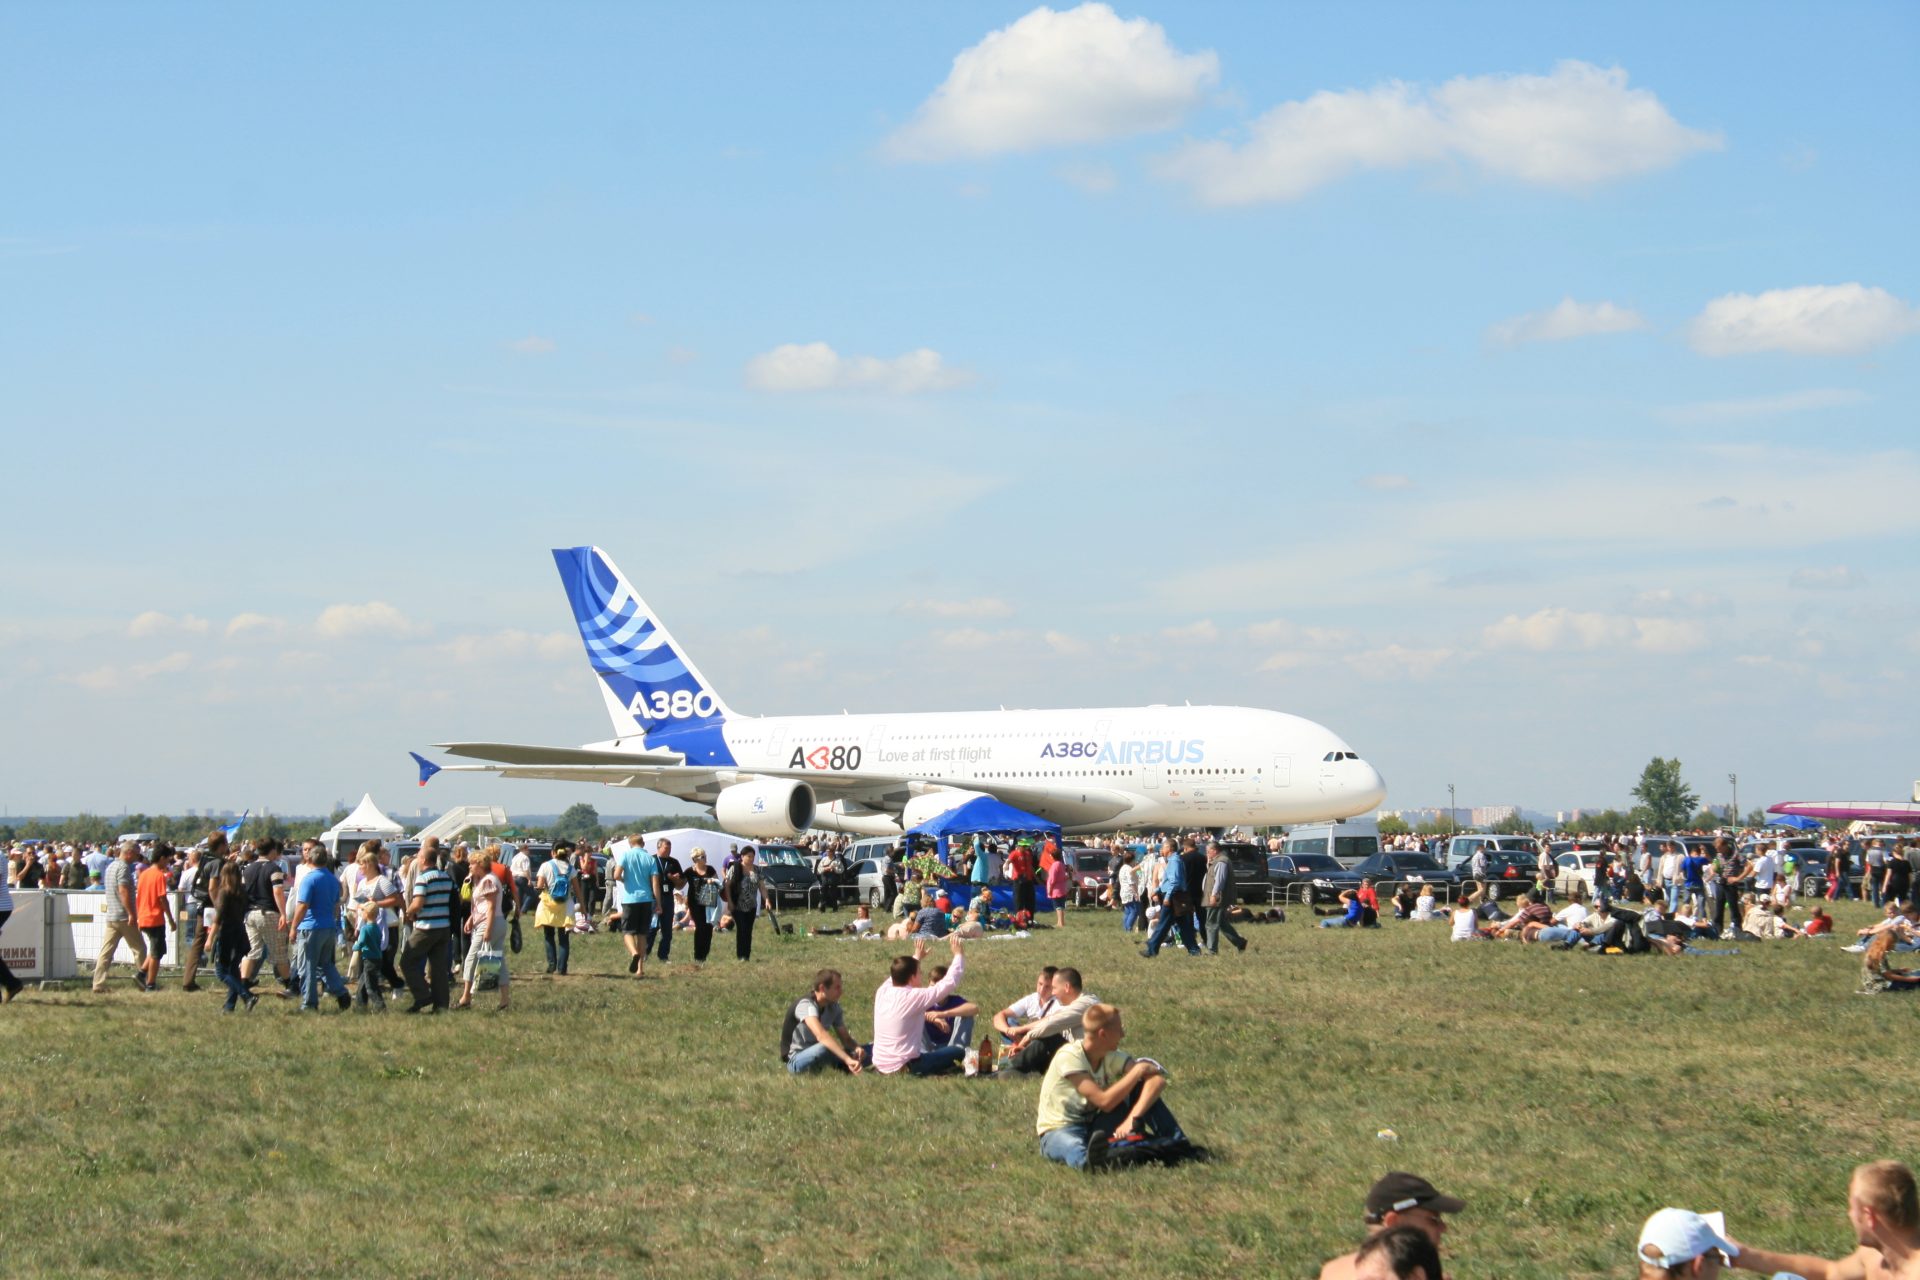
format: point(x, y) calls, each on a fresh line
point(427, 767)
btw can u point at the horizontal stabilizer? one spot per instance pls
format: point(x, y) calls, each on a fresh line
point(520, 753)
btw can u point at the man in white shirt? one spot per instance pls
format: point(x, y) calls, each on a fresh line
point(1031, 1007)
point(1671, 881)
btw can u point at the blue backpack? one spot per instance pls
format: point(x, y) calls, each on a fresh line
point(562, 883)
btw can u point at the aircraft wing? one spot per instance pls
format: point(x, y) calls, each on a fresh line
point(701, 784)
point(521, 753)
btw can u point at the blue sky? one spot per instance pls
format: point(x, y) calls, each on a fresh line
point(1523, 391)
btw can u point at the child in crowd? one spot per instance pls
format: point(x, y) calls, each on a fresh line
point(364, 963)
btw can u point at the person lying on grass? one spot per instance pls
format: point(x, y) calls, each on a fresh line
point(1094, 1095)
point(1528, 918)
point(1877, 977)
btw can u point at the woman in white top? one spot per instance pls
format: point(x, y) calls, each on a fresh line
point(1466, 918)
point(1423, 905)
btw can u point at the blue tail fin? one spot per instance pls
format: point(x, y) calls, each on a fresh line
point(427, 767)
point(649, 684)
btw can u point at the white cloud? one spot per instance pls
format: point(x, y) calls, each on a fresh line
point(1838, 578)
point(972, 638)
point(1386, 482)
point(815, 366)
point(497, 646)
point(243, 623)
point(1812, 320)
point(1575, 128)
point(1094, 179)
point(1708, 412)
point(978, 607)
point(1558, 628)
point(1056, 79)
point(115, 676)
point(1281, 631)
point(678, 354)
point(1064, 644)
point(1201, 632)
point(155, 623)
point(1567, 319)
point(531, 345)
point(375, 618)
point(1396, 661)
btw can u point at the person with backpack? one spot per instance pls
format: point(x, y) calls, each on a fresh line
point(814, 1036)
point(205, 875)
point(554, 916)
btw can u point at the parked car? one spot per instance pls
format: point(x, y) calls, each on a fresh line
point(1408, 868)
point(868, 877)
point(1510, 872)
point(786, 872)
point(1460, 849)
point(1346, 842)
point(1321, 874)
point(1250, 881)
point(1088, 870)
point(1574, 871)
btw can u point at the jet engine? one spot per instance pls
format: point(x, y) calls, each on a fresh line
point(774, 809)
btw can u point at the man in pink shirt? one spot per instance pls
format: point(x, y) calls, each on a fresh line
point(899, 1015)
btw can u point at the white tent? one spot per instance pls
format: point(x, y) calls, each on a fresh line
point(365, 823)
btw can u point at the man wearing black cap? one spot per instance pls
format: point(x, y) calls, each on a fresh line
point(1398, 1200)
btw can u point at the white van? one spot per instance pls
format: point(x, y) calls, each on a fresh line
point(1348, 843)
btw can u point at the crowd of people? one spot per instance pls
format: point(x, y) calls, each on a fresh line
point(361, 928)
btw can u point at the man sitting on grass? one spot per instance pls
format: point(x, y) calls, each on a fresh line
point(1398, 1200)
point(817, 1030)
point(1678, 1243)
point(1027, 1008)
point(1032, 1047)
point(1094, 1095)
point(899, 1015)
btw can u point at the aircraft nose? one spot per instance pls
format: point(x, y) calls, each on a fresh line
point(1368, 787)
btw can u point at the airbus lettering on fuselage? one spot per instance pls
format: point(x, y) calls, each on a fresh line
point(1130, 751)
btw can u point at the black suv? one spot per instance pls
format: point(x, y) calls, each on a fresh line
point(1251, 883)
point(786, 872)
point(1405, 868)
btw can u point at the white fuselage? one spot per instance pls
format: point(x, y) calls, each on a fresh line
point(1178, 766)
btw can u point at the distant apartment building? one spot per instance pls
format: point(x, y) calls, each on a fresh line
point(1487, 815)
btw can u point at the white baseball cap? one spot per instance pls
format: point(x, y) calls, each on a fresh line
point(1676, 1236)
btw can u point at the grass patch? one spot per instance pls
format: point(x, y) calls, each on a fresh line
point(605, 1124)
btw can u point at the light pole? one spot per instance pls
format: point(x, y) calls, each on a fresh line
point(1453, 822)
point(1733, 780)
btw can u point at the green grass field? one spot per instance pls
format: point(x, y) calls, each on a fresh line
point(607, 1126)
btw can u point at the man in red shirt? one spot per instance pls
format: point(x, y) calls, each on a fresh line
point(1020, 871)
point(153, 912)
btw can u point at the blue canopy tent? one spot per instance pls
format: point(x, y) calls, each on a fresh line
point(987, 816)
point(1795, 821)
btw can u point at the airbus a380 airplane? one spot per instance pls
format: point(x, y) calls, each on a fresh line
point(773, 777)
